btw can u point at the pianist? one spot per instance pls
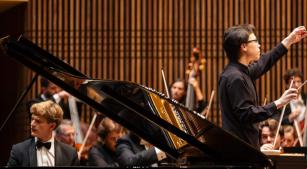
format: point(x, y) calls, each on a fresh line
point(43, 149)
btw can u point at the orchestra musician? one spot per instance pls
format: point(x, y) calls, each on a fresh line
point(103, 153)
point(65, 133)
point(188, 92)
point(290, 136)
point(294, 113)
point(132, 151)
point(179, 89)
point(241, 112)
point(50, 91)
point(43, 149)
point(296, 109)
point(268, 131)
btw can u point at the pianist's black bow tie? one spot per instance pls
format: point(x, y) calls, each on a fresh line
point(40, 144)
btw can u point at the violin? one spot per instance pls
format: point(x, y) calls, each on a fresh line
point(83, 155)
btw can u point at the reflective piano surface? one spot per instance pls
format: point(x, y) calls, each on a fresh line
point(187, 137)
point(289, 157)
point(289, 161)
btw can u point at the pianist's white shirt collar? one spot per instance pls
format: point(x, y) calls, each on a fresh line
point(51, 150)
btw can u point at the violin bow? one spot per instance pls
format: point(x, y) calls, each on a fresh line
point(281, 117)
point(210, 102)
point(264, 102)
point(87, 134)
point(295, 122)
point(302, 85)
point(165, 84)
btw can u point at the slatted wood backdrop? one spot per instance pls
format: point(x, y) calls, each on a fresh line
point(133, 40)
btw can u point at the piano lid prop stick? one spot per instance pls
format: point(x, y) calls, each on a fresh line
point(210, 102)
point(165, 84)
point(281, 117)
point(87, 134)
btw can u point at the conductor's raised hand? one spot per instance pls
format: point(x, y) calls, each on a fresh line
point(295, 36)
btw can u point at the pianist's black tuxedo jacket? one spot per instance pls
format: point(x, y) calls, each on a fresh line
point(24, 154)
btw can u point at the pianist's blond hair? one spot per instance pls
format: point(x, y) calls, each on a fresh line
point(49, 110)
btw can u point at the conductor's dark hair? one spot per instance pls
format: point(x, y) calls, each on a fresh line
point(234, 37)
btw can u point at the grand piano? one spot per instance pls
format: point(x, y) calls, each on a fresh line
point(188, 139)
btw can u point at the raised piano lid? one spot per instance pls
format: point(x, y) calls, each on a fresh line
point(130, 105)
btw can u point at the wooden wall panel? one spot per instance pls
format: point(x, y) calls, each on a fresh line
point(133, 40)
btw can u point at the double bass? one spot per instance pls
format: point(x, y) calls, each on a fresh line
point(194, 68)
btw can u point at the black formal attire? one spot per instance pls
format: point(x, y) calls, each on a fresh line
point(238, 97)
point(199, 107)
point(24, 154)
point(101, 156)
point(130, 152)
